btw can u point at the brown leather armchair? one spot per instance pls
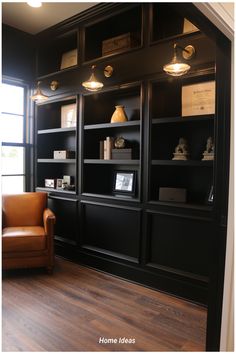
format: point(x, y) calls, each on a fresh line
point(27, 234)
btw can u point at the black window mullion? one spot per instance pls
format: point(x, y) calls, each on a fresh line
point(15, 175)
point(13, 144)
point(13, 114)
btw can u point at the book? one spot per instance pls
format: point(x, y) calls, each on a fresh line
point(109, 146)
point(105, 150)
point(101, 149)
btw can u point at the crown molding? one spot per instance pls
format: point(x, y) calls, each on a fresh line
point(221, 15)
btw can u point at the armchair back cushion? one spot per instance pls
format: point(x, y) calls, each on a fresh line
point(23, 209)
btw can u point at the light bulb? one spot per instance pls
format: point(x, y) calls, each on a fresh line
point(92, 84)
point(176, 69)
point(38, 95)
point(34, 3)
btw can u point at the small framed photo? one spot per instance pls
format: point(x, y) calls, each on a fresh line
point(210, 196)
point(124, 182)
point(68, 180)
point(69, 59)
point(59, 183)
point(49, 183)
point(68, 116)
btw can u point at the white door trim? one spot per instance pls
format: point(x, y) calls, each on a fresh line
point(222, 16)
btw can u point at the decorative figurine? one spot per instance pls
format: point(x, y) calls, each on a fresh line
point(208, 154)
point(119, 142)
point(181, 150)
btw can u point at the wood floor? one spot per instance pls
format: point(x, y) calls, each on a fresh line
point(76, 307)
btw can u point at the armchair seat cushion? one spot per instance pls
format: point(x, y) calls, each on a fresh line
point(23, 239)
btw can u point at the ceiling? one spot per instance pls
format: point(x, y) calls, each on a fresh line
point(34, 20)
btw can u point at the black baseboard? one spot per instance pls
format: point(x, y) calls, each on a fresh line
point(180, 286)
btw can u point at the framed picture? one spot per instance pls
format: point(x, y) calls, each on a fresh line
point(198, 99)
point(59, 183)
point(68, 180)
point(210, 196)
point(49, 183)
point(69, 59)
point(189, 27)
point(68, 116)
point(124, 182)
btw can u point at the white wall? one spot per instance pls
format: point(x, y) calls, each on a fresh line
point(222, 15)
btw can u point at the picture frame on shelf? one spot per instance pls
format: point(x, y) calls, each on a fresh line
point(49, 183)
point(68, 116)
point(124, 183)
point(68, 180)
point(69, 59)
point(59, 184)
point(198, 99)
point(210, 196)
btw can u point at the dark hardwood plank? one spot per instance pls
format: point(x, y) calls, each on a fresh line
point(73, 308)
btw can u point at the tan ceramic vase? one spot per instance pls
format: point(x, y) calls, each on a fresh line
point(119, 116)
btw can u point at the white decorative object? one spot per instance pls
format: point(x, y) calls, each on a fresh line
point(60, 154)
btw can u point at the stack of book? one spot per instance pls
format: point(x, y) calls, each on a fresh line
point(108, 152)
point(106, 147)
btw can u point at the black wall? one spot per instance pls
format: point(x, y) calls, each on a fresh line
point(18, 54)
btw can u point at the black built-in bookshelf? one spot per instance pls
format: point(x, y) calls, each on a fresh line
point(165, 245)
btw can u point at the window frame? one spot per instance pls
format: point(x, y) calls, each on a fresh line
point(26, 132)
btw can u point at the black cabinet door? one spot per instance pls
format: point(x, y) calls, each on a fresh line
point(179, 243)
point(112, 230)
point(66, 218)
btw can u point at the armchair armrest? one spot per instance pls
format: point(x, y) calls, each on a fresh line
point(49, 220)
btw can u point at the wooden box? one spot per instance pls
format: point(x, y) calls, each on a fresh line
point(172, 194)
point(121, 154)
point(119, 43)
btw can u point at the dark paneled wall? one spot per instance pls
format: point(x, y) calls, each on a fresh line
point(18, 54)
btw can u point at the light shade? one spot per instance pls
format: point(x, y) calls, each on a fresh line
point(34, 3)
point(177, 67)
point(38, 95)
point(92, 84)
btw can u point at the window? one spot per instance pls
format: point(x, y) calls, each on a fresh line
point(13, 138)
